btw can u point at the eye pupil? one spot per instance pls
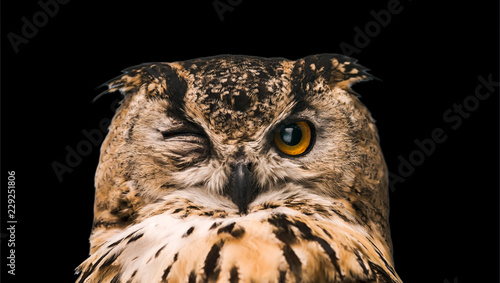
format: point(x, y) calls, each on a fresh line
point(291, 135)
point(294, 139)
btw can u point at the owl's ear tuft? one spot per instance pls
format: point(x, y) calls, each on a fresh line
point(339, 70)
point(150, 78)
point(347, 72)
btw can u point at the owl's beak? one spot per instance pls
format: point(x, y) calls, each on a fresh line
point(240, 188)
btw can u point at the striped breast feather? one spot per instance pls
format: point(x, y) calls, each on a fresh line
point(276, 245)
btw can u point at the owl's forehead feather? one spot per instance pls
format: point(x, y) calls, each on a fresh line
point(237, 82)
point(239, 71)
point(237, 95)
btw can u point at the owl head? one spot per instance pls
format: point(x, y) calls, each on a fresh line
point(237, 134)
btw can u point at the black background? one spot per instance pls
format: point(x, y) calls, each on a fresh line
point(444, 216)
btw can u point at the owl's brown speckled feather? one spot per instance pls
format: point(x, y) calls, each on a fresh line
point(191, 186)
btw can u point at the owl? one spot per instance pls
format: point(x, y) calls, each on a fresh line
point(241, 169)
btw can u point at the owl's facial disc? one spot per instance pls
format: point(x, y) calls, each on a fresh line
point(280, 154)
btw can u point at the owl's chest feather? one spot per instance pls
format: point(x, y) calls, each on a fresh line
point(275, 245)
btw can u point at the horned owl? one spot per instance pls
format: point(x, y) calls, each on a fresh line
point(241, 169)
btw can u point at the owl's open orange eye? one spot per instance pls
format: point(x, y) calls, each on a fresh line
point(294, 139)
